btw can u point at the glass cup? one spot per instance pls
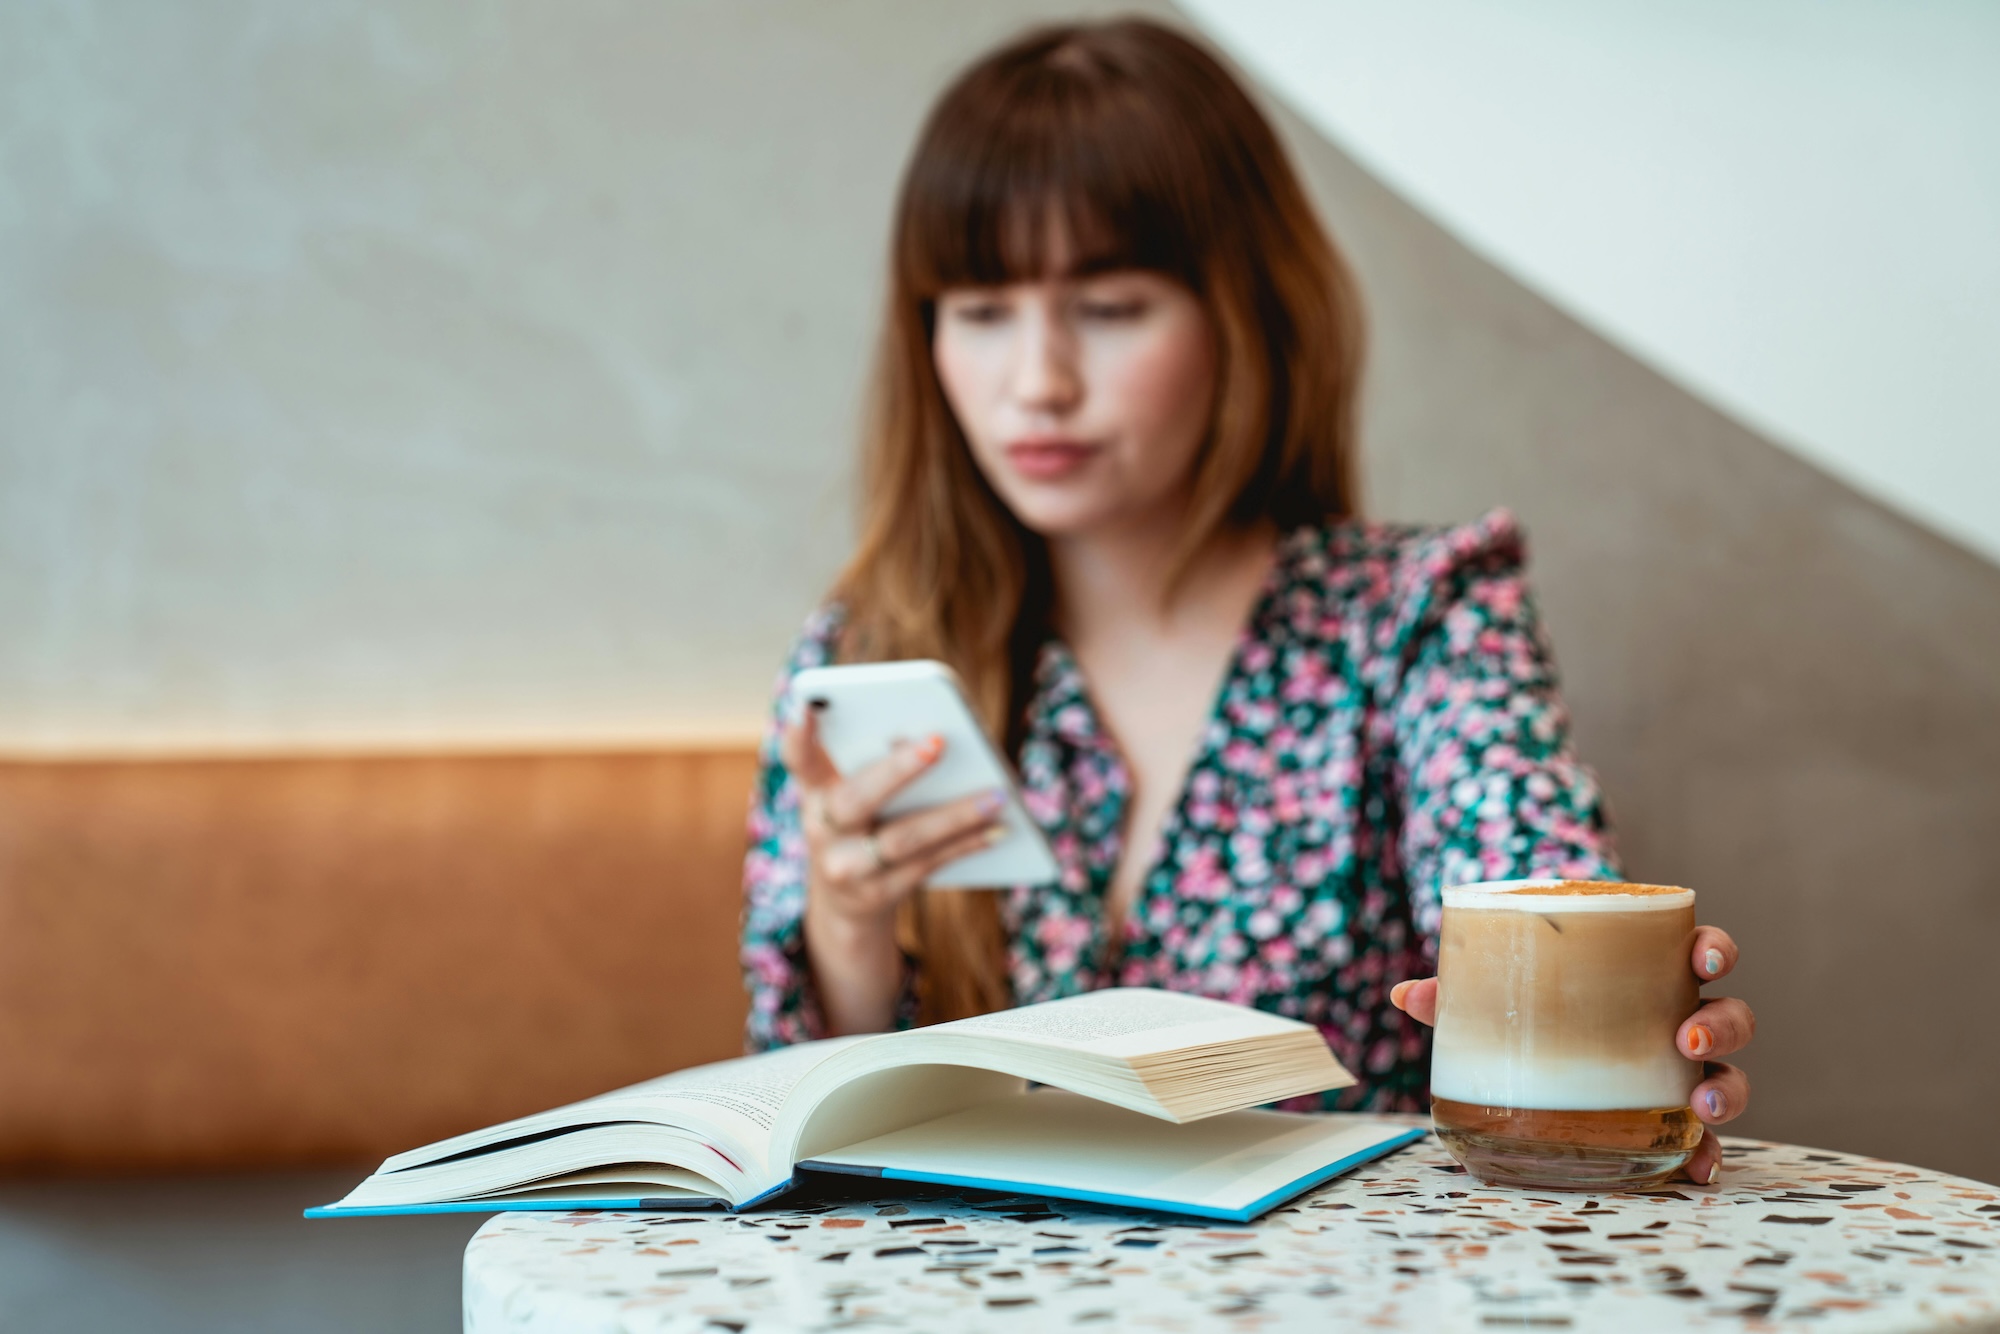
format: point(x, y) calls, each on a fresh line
point(1554, 1064)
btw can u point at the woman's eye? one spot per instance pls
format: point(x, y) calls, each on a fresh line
point(1113, 311)
point(979, 312)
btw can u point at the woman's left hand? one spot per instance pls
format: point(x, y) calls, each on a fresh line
point(1718, 1028)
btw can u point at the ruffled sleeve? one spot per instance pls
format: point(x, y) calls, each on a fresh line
point(1491, 788)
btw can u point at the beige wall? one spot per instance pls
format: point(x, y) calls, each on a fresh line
point(412, 374)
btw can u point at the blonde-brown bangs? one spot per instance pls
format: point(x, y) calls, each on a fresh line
point(1060, 168)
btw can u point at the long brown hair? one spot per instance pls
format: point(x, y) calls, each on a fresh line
point(1133, 147)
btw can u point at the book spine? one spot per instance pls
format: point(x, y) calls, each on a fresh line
point(783, 1187)
point(843, 1169)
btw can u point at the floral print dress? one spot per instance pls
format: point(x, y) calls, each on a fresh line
point(1389, 725)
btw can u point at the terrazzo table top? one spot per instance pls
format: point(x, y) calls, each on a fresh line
point(1790, 1239)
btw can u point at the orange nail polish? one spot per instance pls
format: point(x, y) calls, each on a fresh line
point(1700, 1041)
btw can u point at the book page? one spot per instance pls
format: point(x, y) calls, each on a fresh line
point(1060, 1143)
point(843, 1106)
point(620, 1179)
point(746, 1093)
point(730, 1104)
point(1123, 1022)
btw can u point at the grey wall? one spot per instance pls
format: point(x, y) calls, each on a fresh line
point(374, 373)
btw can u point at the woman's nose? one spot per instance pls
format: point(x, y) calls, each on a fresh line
point(1045, 371)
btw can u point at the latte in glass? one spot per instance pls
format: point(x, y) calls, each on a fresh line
point(1554, 1064)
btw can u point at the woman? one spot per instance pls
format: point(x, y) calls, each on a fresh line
point(1113, 444)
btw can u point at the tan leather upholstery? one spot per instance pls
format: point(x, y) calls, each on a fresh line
point(256, 962)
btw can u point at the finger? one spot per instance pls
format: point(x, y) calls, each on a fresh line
point(804, 758)
point(852, 805)
point(848, 859)
point(907, 876)
point(1714, 953)
point(1721, 1096)
point(1704, 1166)
point(913, 835)
point(1418, 998)
point(1716, 1029)
point(868, 896)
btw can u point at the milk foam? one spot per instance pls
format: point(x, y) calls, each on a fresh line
point(1519, 896)
point(1486, 1078)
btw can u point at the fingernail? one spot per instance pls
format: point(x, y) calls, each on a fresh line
point(930, 747)
point(1700, 1041)
point(1713, 1101)
point(997, 834)
point(1714, 1168)
point(1711, 962)
point(1396, 994)
point(991, 803)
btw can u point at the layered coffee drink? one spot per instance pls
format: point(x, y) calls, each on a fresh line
point(1554, 1064)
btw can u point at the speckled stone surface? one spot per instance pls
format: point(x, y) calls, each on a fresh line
point(1791, 1239)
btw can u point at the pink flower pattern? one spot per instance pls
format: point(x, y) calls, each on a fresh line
point(1390, 725)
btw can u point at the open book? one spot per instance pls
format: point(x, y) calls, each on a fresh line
point(1144, 1102)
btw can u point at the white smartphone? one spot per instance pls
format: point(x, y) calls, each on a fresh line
point(866, 708)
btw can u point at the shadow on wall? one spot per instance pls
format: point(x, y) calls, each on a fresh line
point(1789, 692)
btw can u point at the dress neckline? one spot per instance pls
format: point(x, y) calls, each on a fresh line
point(1062, 696)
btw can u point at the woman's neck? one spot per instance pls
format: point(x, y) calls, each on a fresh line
point(1154, 655)
point(1116, 581)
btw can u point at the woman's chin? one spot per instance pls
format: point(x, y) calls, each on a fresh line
point(1083, 506)
point(1057, 518)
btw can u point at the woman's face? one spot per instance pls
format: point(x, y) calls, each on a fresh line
point(1086, 399)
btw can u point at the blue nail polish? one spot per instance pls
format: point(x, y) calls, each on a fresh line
point(1713, 1101)
point(1712, 962)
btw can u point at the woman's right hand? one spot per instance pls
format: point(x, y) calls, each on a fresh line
point(859, 867)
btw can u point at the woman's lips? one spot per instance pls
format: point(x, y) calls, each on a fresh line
point(1049, 460)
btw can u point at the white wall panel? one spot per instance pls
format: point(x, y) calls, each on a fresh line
point(1791, 206)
